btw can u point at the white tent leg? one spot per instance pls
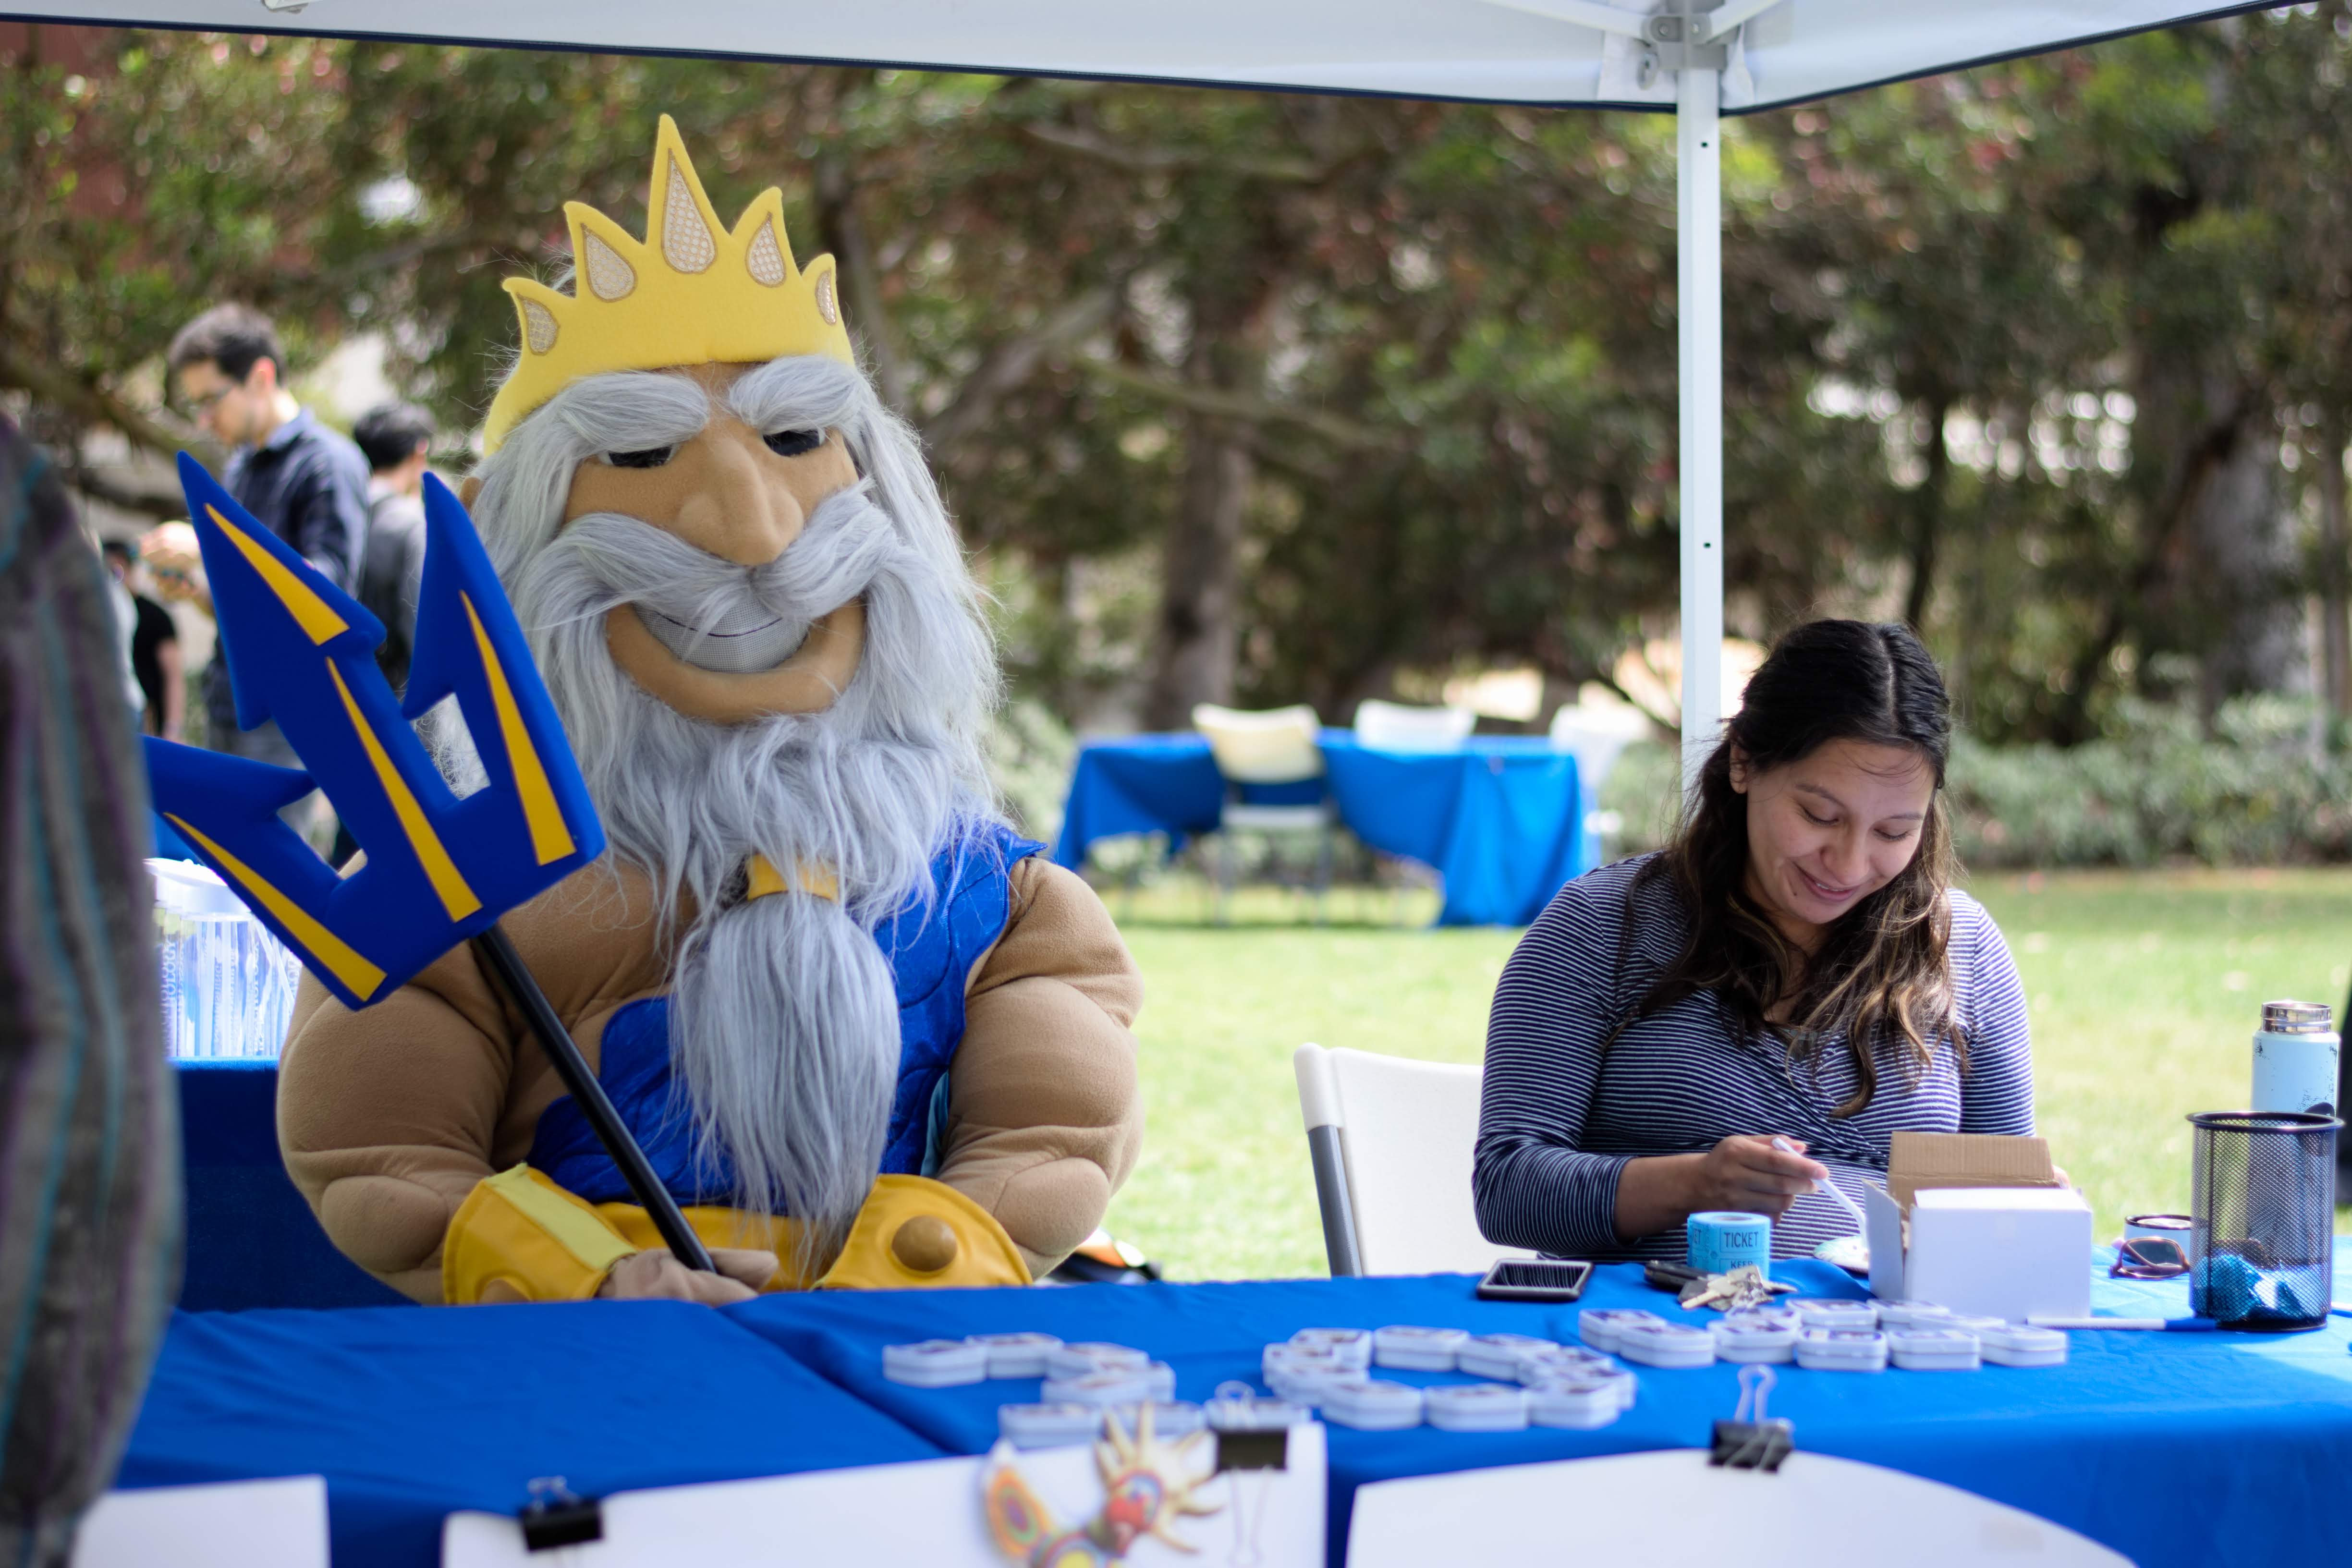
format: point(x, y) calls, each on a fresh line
point(1698, 188)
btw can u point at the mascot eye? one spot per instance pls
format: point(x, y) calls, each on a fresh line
point(792, 442)
point(651, 458)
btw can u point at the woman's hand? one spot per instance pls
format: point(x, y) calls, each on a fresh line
point(1745, 1174)
point(655, 1274)
point(1752, 1177)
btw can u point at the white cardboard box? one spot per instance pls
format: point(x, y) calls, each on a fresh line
point(1980, 1225)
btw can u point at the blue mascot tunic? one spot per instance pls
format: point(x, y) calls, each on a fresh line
point(930, 952)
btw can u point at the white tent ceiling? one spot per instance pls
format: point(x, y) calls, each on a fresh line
point(1530, 51)
point(1698, 58)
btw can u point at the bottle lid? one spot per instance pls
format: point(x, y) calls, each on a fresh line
point(2296, 1018)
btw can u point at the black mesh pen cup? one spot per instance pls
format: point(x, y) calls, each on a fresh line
point(2263, 1234)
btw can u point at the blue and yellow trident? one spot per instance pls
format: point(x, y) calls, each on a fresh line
point(440, 869)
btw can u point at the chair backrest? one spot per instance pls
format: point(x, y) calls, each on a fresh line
point(1596, 737)
point(1396, 1187)
point(1276, 746)
point(1399, 727)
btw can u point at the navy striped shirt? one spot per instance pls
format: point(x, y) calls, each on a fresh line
point(1560, 1118)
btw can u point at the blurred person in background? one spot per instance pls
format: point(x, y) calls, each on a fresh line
point(396, 438)
point(154, 646)
point(302, 481)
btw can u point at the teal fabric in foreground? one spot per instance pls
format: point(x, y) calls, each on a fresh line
point(2178, 1451)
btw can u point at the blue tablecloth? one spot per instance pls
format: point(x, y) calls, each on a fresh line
point(1501, 819)
point(2202, 1450)
point(411, 1416)
point(252, 1241)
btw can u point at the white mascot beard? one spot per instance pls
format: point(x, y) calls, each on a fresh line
point(783, 1013)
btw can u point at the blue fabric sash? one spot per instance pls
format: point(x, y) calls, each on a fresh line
point(930, 953)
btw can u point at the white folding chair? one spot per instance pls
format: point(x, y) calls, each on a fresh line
point(1391, 1141)
point(1596, 736)
point(1275, 746)
point(1399, 727)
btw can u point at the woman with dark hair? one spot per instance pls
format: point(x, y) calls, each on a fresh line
point(1758, 1007)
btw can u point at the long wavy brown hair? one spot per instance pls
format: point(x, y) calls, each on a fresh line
point(1882, 976)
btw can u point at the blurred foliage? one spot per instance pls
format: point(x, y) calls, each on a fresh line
point(2043, 356)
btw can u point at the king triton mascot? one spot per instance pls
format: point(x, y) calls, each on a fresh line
point(864, 1033)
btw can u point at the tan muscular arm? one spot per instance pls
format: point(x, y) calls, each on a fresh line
point(386, 1117)
point(1045, 1116)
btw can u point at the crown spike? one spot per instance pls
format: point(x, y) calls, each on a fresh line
point(766, 258)
point(609, 276)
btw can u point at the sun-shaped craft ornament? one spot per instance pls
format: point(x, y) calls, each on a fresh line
point(1148, 1485)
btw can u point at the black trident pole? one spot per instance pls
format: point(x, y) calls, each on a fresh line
point(499, 956)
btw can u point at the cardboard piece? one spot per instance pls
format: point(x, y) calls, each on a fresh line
point(1981, 1224)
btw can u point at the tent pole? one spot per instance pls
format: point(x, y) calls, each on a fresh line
point(1698, 189)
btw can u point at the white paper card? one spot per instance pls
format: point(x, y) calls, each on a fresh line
point(234, 1524)
point(929, 1511)
point(1611, 1508)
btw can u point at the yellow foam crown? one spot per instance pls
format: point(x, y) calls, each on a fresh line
point(691, 292)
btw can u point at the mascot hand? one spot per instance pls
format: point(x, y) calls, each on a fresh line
point(656, 1274)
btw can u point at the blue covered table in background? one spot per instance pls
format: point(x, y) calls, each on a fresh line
point(1501, 818)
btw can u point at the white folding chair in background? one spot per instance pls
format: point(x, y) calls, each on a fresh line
point(1273, 746)
point(1400, 726)
point(1596, 736)
point(1391, 1142)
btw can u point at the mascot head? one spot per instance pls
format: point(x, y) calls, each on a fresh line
point(754, 616)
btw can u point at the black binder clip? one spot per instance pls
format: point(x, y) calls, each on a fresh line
point(1748, 1441)
point(1252, 1433)
point(556, 1517)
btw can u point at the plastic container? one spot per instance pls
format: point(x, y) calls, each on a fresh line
point(1407, 1349)
point(1599, 1326)
point(1078, 1360)
point(1928, 1348)
point(935, 1363)
point(2261, 1243)
point(1497, 1355)
point(2020, 1344)
point(1552, 1361)
point(1477, 1408)
point(1350, 1347)
point(1577, 1402)
point(1170, 1418)
point(1016, 1354)
point(1674, 1346)
point(1910, 1314)
point(1161, 1378)
point(1746, 1341)
point(1842, 1350)
point(1099, 1388)
point(1833, 1316)
point(1048, 1426)
point(1374, 1405)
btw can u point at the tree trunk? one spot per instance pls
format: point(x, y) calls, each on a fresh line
point(2334, 570)
point(2242, 559)
point(1199, 643)
point(1927, 518)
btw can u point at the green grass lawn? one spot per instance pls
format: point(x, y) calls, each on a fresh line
point(2144, 990)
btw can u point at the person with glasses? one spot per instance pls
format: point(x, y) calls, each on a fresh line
point(304, 482)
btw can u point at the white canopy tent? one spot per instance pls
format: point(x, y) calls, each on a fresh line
point(1699, 58)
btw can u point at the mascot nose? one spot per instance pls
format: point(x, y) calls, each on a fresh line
point(740, 510)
